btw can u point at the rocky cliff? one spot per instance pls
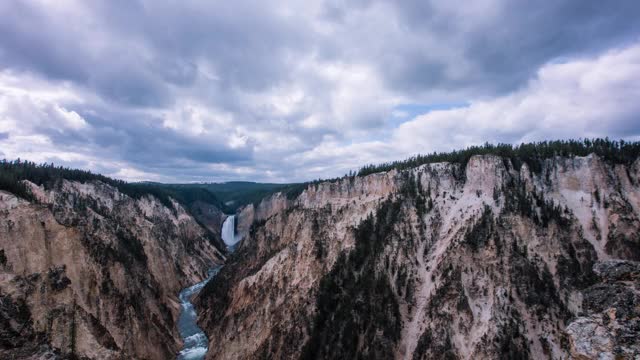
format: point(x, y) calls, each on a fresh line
point(485, 260)
point(211, 218)
point(88, 272)
point(267, 207)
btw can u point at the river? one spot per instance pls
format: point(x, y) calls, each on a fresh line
point(196, 343)
point(195, 340)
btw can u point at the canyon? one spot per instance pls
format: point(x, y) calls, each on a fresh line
point(482, 259)
point(319, 180)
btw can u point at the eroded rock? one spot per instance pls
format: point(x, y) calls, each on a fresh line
point(610, 325)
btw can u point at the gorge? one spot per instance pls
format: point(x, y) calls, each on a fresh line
point(491, 256)
point(319, 180)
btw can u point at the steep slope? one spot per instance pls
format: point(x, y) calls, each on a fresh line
point(438, 261)
point(89, 272)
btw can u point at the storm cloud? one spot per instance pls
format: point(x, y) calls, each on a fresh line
point(290, 91)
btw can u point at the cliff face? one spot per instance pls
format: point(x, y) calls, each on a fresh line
point(92, 273)
point(485, 261)
point(263, 210)
point(211, 218)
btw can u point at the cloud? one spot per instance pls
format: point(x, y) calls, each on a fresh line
point(483, 48)
point(593, 97)
point(283, 91)
point(49, 124)
point(586, 97)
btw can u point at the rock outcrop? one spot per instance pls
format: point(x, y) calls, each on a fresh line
point(88, 272)
point(609, 326)
point(251, 213)
point(479, 261)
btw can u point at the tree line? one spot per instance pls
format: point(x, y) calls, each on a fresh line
point(621, 152)
point(12, 174)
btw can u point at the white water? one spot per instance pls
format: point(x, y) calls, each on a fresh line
point(195, 341)
point(229, 231)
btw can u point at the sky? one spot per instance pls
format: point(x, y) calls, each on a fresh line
point(283, 91)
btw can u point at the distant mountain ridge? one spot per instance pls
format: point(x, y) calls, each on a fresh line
point(235, 194)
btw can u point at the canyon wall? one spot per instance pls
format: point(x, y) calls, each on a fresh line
point(485, 260)
point(88, 272)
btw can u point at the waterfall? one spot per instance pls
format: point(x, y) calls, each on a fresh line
point(229, 231)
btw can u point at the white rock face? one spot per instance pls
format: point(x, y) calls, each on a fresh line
point(8, 201)
point(92, 272)
point(483, 262)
